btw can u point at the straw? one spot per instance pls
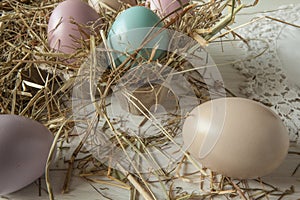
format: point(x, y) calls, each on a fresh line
point(37, 82)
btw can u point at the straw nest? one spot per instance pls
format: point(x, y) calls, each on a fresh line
point(37, 82)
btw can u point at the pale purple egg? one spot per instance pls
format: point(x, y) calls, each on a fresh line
point(63, 33)
point(165, 7)
point(24, 149)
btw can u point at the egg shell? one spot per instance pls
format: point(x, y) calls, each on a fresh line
point(155, 98)
point(236, 137)
point(165, 7)
point(132, 27)
point(24, 149)
point(63, 34)
point(114, 4)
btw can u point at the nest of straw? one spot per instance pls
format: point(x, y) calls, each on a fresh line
point(37, 83)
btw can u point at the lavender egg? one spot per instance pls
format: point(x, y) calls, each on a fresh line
point(24, 149)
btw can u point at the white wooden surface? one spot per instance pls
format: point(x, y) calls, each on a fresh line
point(81, 189)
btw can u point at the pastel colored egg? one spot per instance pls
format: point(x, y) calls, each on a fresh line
point(166, 8)
point(138, 27)
point(113, 4)
point(70, 23)
point(236, 137)
point(24, 149)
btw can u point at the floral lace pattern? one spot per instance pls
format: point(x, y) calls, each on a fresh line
point(266, 78)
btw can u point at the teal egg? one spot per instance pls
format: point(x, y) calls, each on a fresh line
point(134, 27)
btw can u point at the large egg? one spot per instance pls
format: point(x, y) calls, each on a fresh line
point(64, 34)
point(132, 28)
point(24, 149)
point(169, 8)
point(236, 137)
point(113, 4)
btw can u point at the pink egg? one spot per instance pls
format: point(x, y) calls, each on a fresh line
point(113, 4)
point(63, 34)
point(166, 7)
point(24, 149)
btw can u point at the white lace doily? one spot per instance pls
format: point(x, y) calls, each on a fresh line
point(266, 78)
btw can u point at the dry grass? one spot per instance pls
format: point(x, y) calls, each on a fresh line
point(36, 82)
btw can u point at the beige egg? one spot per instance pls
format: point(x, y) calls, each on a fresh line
point(113, 4)
point(154, 98)
point(236, 137)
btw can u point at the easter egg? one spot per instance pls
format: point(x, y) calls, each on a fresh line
point(138, 27)
point(166, 8)
point(113, 4)
point(70, 23)
point(236, 137)
point(24, 149)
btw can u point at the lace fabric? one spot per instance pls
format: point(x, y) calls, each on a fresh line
point(266, 78)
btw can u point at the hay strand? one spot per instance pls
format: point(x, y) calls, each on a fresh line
point(36, 82)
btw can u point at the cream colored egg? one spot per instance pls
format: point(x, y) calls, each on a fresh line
point(113, 4)
point(236, 137)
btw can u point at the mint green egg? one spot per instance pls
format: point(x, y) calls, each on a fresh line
point(135, 27)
